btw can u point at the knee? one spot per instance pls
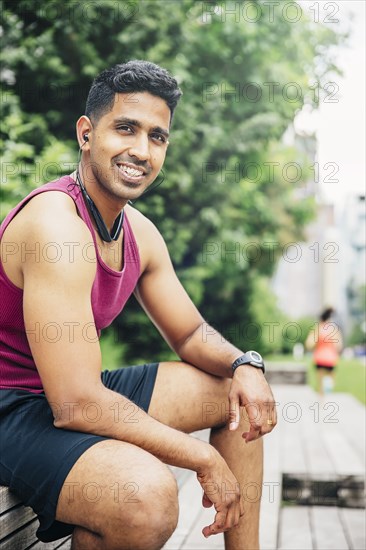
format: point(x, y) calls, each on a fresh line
point(158, 516)
point(151, 517)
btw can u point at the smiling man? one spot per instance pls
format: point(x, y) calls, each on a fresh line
point(88, 450)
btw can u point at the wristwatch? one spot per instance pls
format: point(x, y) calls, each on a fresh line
point(252, 358)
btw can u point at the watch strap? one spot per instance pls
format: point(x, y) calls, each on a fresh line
point(249, 358)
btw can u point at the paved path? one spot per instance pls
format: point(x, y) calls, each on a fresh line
point(316, 457)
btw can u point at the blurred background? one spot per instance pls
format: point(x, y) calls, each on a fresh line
point(263, 200)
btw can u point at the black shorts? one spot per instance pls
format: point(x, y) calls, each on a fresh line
point(325, 368)
point(36, 457)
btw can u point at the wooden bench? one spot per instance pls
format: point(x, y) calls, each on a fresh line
point(314, 458)
point(18, 523)
point(286, 373)
point(18, 526)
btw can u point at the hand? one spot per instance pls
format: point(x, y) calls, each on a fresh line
point(250, 389)
point(221, 489)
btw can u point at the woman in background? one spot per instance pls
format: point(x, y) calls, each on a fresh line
point(326, 341)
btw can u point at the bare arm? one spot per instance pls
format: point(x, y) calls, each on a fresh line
point(311, 340)
point(164, 299)
point(166, 302)
point(57, 296)
point(64, 343)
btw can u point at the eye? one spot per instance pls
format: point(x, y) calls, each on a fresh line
point(125, 128)
point(159, 137)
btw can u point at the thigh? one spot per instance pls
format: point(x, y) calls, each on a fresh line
point(136, 382)
point(189, 399)
point(36, 457)
point(108, 484)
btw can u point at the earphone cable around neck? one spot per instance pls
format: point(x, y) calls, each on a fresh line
point(99, 222)
point(149, 189)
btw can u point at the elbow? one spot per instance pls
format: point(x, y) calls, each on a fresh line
point(64, 422)
point(79, 413)
point(69, 416)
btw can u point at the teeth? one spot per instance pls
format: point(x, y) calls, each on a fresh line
point(131, 171)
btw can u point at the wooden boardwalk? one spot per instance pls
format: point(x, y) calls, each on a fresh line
point(314, 479)
point(313, 488)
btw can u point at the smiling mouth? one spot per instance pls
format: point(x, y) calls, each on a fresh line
point(130, 171)
point(131, 174)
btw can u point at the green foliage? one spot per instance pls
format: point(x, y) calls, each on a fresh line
point(268, 318)
point(357, 336)
point(350, 377)
point(112, 350)
point(210, 202)
point(296, 332)
point(30, 157)
point(357, 297)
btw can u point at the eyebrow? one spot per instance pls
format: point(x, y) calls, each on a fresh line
point(133, 122)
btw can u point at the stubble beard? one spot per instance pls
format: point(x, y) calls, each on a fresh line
point(116, 188)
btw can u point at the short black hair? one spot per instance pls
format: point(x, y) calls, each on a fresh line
point(133, 76)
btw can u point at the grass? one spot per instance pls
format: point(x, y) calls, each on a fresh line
point(350, 374)
point(350, 377)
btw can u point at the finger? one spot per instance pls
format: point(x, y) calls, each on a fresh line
point(255, 413)
point(217, 526)
point(257, 432)
point(241, 508)
point(253, 434)
point(238, 514)
point(268, 427)
point(233, 516)
point(270, 421)
point(234, 412)
point(206, 502)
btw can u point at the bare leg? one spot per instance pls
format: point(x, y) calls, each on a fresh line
point(320, 376)
point(332, 375)
point(119, 497)
point(82, 539)
point(189, 399)
point(246, 463)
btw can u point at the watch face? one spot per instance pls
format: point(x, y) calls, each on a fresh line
point(256, 356)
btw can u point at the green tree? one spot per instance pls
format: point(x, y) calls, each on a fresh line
point(357, 297)
point(219, 194)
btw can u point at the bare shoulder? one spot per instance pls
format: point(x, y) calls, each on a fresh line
point(150, 242)
point(48, 231)
point(52, 213)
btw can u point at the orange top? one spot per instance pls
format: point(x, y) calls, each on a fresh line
point(326, 347)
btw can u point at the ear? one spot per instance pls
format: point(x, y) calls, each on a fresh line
point(83, 126)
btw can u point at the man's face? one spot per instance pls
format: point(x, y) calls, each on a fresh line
point(128, 144)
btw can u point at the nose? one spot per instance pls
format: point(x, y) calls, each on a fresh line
point(140, 147)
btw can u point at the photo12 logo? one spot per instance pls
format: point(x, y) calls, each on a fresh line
point(88, 11)
point(271, 91)
point(271, 11)
point(252, 251)
point(291, 172)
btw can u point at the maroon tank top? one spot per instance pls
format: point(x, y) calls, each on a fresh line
point(110, 292)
